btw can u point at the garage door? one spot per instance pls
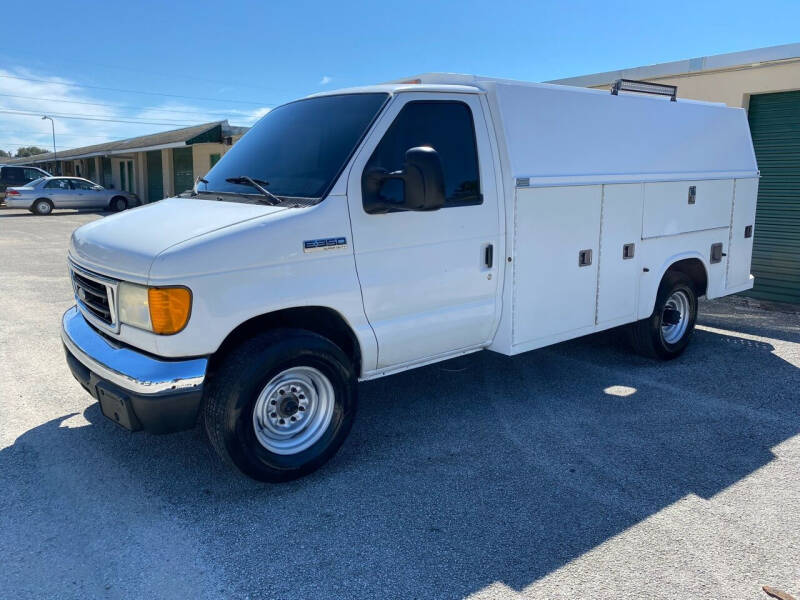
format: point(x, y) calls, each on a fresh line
point(775, 125)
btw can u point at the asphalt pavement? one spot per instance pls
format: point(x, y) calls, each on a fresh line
point(575, 471)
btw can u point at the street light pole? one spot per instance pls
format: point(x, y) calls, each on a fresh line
point(55, 156)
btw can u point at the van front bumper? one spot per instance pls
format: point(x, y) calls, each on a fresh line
point(135, 390)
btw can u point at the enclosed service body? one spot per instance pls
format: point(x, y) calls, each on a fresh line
point(357, 233)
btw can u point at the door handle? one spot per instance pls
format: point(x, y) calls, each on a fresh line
point(488, 256)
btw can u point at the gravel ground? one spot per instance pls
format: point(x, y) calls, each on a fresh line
point(576, 471)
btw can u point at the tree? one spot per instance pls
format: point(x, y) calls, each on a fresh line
point(4, 154)
point(26, 151)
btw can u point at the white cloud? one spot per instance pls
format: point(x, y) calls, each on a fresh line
point(325, 80)
point(54, 96)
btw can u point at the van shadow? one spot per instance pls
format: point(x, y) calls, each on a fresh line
point(479, 470)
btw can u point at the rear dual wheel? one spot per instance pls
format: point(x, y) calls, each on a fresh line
point(281, 404)
point(667, 332)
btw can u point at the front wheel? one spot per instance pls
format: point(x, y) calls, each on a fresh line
point(281, 404)
point(667, 332)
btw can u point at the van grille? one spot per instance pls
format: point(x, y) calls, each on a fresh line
point(94, 294)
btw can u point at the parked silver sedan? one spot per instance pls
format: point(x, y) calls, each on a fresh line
point(41, 196)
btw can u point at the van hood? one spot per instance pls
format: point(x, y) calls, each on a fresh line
point(124, 245)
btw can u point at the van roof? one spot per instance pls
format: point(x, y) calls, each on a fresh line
point(399, 87)
point(467, 84)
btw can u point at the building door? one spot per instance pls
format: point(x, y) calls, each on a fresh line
point(108, 178)
point(131, 180)
point(126, 175)
point(155, 177)
point(775, 125)
point(92, 171)
point(182, 169)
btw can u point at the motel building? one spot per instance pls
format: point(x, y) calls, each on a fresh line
point(766, 83)
point(152, 166)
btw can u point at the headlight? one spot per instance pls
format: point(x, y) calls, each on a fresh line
point(163, 310)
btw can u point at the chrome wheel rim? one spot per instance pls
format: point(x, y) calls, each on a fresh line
point(675, 317)
point(293, 410)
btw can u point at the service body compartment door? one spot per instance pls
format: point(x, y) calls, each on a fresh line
point(672, 207)
point(740, 251)
point(620, 245)
point(428, 278)
point(555, 263)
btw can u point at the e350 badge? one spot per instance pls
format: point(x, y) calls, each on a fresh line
point(325, 244)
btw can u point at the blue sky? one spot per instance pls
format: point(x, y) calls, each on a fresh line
point(203, 61)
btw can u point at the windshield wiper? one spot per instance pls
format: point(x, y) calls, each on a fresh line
point(256, 183)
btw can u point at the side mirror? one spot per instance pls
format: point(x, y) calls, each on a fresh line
point(421, 180)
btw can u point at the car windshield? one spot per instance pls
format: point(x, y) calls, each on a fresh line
point(297, 149)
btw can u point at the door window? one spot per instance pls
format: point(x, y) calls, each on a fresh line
point(57, 184)
point(80, 184)
point(445, 126)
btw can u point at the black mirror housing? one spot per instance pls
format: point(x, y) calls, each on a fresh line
point(422, 177)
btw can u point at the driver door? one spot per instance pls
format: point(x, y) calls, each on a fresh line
point(429, 278)
point(87, 195)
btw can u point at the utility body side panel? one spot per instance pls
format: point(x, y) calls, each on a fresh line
point(743, 215)
point(637, 157)
point(553, 292)
point(620, 253)
point(556, 298)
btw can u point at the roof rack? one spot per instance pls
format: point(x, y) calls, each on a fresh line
point(645, 87)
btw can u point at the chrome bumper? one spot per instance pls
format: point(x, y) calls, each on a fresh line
point(132, 371)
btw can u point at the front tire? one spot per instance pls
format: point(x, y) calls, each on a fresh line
point(281, 404)
point(667, 332)
point(42, 207)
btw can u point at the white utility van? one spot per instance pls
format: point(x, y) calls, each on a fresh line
point(362, 232)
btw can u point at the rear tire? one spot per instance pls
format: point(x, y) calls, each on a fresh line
point(42, 207)
point(666, 333)
point(118, 204)
point(281, 404)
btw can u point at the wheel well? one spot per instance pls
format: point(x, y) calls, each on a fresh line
point(117, 196)
point(50, 202)
point(693, 268)
point(319, 319)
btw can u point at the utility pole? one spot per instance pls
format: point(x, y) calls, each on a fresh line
point(55, 156)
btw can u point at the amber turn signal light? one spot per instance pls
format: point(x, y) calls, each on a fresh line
point(169, 309)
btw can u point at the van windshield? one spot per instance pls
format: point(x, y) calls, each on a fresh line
point(297, 150)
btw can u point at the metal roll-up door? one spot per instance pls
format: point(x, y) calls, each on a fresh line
point(775, 126)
